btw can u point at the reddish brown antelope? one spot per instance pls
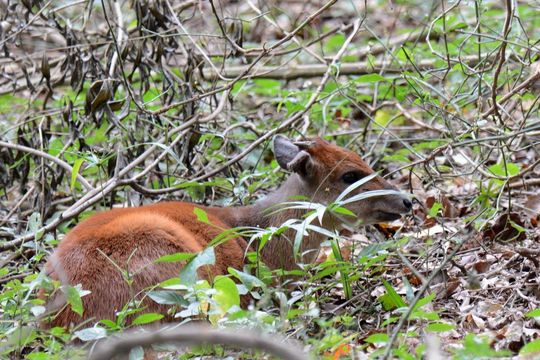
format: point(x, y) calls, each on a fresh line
point(135, 237)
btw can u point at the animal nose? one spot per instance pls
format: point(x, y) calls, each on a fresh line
point(407, 203)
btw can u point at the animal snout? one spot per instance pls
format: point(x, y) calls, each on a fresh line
point(398, 204)
point(407, 203)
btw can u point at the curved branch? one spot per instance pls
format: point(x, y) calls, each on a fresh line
point(44, 155)
point(199, 335)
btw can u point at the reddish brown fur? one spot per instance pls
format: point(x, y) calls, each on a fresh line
point(143, 234)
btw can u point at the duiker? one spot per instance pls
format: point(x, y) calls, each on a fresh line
point(134, 238)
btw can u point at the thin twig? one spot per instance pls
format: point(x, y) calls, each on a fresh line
point(501, 56)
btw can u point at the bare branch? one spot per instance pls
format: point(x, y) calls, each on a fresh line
point(199, 335)
point(64, 165)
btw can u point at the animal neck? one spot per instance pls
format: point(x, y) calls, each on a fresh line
point(278, 251)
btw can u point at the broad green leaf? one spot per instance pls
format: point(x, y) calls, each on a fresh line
point(426, 315)
point(175, 257)
point(435, 209)
point(424, 301)
point(391, 300)
point(248, 280)
point(188, 275)
point(37, 356)
point(530, 348)
point(370, 78)
point(533, 313)
point(477, 346)
point(147, 318)
point(343, 211)
point(439, 327)
point(201, 215)
point(226, 294)
point(499, 169)
point(76, 167)
point(167, 298)
point(73, 296)
point(378, 338)
point(90, 334)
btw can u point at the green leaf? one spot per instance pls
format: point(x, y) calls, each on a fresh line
point(435, 209)
point(201, 215)
point(147, 318)
point(499, 169)
point(167, 298)
point(344, 274)
point(226, 295)
point(476, 346)
point(370, 78)
point(90, 334)
point(378, 338)
point(439, 327)
point(76, 167)
point(248, 280)
point(34, 225)
point(188, 275)
point(426, 315)
point(342, 210)
point(38, 356)
point(55, 147)
point(391, 300)
point(424, 301)
point(175, 257)
point(533, 313)
point(73, 295)
point(532, 347)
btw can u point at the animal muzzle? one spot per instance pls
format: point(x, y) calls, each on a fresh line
point(390, 208)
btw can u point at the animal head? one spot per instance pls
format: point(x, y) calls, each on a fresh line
point(326, 170)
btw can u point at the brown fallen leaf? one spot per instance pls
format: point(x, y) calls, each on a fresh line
point(504, 228)
point(448, 210)
point(481, 266)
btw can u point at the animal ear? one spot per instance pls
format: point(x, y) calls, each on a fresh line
point(289, 156)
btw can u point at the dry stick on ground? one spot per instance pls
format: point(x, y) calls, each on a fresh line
point(199, 335)
point(378, 49)
point(317, 70)
point(64, 165)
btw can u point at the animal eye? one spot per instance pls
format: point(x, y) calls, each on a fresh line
point(351, 177)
